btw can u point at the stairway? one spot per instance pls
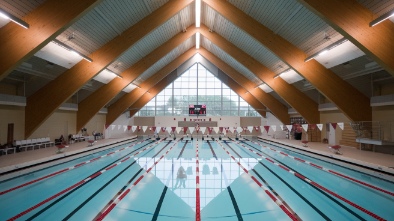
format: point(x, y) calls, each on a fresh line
point(348, 137)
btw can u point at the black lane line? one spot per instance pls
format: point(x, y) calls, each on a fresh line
point(54, 160)
point(213, 152)
point(232, 149)
point(288, 185)
point(236, 208)
point(106, 184)
point(68, 193)
point(158, 207)
point(333, 159)
point(321, 191)
point(183, 148)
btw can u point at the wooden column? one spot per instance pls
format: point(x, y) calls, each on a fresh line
point(351, 19)
point(295, 98)
point(127, 100)
point(46, 22)
point(348, 99)
point(45, 101)
point(91, 105)
point(276, 107)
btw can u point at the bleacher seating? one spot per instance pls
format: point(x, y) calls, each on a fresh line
point(33, 143)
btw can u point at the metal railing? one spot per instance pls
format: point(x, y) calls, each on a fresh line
point(374, 130)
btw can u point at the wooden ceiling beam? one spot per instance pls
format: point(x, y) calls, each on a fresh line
point(351, 19)
point(276, 107)
point(348, 99)
point(91, 105)
point(121, 105)
point(295, 98)
point(46, 100)
point(46, 22)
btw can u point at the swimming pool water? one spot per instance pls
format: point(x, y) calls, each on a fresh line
point(138, 183)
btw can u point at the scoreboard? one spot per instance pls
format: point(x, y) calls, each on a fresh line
point(197, 110)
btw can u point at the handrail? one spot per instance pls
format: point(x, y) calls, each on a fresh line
point(374, 130)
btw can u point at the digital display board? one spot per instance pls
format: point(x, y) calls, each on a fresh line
point(197, 110)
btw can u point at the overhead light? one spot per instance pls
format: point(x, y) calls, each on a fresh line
point(326, 49)
point(285, 71)
point(7, 15)
point(136, 85)
point(72, 50)
point(197, 40)
point(198, 13)
point(259, 85)
point(381, 18)
point(117, 75)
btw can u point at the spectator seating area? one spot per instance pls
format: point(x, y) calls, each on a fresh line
point(32, 143)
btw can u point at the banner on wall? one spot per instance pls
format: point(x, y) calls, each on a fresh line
point(216, 129)
point(250, 128)
point(128, 127)
point(203, 129)
point(191, 129)
point(281, 127)
point(320, 126)
point(113, 127)
point(144, 128)
point(267, 128)
point(124, 128)
point(334, 125)
point(133, 128)
point(169, 130)
point(178, 129)
point(257, 128)
point(289, 127)
point(341, 125)
point(184, 130)
point(239, 129)
point(273, 127)
point(173, 129)
point(119, 126)
point(305, 127)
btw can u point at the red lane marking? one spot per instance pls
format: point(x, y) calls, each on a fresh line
point(139, 179)
point(283, 167)
point(315, 165)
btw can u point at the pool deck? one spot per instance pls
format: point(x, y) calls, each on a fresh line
point(348, 153)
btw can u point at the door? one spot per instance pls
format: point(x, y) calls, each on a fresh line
point(10, 133)
point(330, 133)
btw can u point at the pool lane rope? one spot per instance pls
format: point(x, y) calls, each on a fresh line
point(65, 169)
point(266, 190)
point(19, 215)
point(328, 170)
point(125, 192)
point(198, 212)
point(311, 182)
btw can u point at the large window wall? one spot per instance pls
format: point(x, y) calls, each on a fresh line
point(197, 86)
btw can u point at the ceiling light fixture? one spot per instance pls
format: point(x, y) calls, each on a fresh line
point(381, 18)
point(285, 71)
point(72, 50)
point(197, 40)
point(198, 13)
point(18, 21)
point(117, 75)
point(136, 85)
point(259, 85)
point(326, 49)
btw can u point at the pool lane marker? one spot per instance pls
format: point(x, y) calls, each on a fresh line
point(65, 169)
point(300, 176)
point(198, 212)
point(266, 190)
point(124, 193)
point(93, 176)
point(328, 170)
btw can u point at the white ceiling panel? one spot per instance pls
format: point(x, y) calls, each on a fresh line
point(129, 88)
point(57, 54)
point(165, 60)
point(291, 76)
point(20, 8)
point(378, 7)
point(105, 76)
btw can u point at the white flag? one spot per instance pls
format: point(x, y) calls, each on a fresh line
point(144, 128)
point(216, 129)
point(203, 130)
point(273, 127)
point(289, 127)
point(133, 128)
point(113, 127)
point(178, 129)
point(124, 127)
point(119, 126)
point(191, 129)
point(305, 127)
point(250, 128)
point(158, 129)
point(281, 127)
point(320, 126)
point(169, 130)
point(341, 125)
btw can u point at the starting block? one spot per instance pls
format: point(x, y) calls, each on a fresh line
point(335, 148)
point(61, 148)
point(304, 143)
point(91, 142)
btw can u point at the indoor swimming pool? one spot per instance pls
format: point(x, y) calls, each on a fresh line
point(197, 180)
